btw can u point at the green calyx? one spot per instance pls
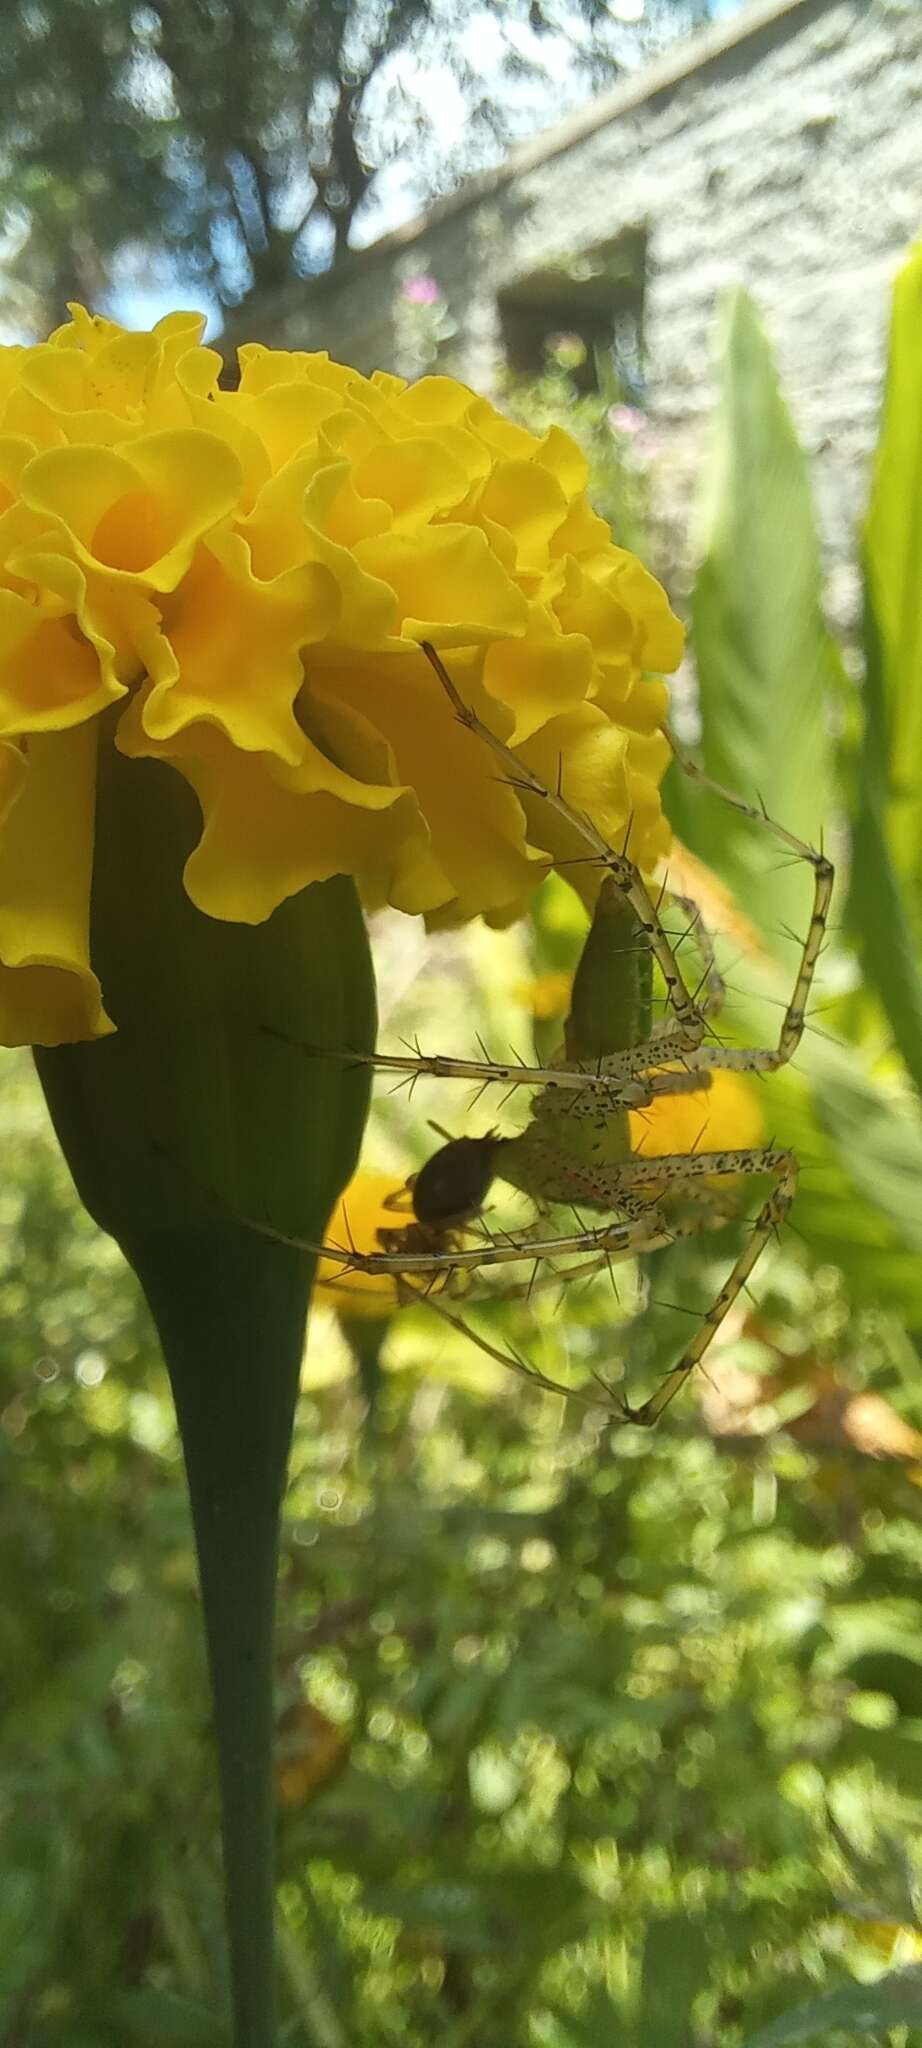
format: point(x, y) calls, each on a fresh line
point(610, 1012)
point(198, 1126)
point(612, 998)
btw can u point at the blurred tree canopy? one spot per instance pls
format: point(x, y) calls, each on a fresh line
point(239, 145)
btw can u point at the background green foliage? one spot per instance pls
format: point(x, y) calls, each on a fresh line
point(603, 1731)
point(586, 1735)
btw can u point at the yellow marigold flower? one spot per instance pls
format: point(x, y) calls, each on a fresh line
point(239, 582)
point(358, 1216)
point(547, 995)
point(723, 1117)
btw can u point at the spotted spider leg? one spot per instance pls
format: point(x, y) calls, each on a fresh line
point(711, 1002)
point(691, 1017)
point(615, 1185)
point(672, 1177)
point(767, 1059)
point(614, 1240)
point(690, 1021)
point(652, 1237)
point(425, 1255)
point(783, 1166)
point(635, 1186)
point(621, 1080)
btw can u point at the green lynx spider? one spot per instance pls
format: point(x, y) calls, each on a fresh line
point(576, 1148)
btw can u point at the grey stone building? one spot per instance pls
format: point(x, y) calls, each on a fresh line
point(782, 150)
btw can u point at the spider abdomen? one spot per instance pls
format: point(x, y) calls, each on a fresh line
point(453, 1184)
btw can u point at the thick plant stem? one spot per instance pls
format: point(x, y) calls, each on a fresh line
point(198, 1123)
point(229, 1321)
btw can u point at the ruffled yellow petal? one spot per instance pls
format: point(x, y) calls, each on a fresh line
point(333, 508)
point(213, 411)
point(432, 402)
point(661, 638)
point(15, 452)
point(637, 701)
point(60, 405)
point(449, 587)
point(611, 776)
point(286, 418)
point(530, 503)
point(565, 460)
point(102, 384)
point(416, 478)
point(115, 617)
point(49, 678)
point(438, 409)
point(23, 416)
point(543, 673)
point(236, 644)
point(261, 368)
point(587, 605)
point(583, 532)
point(503, 437)
point(11, 362)
point(138, 514)
point(84, 331)
point(269, 829)
point(298, 518)
point(49, 994)
point(476, 826)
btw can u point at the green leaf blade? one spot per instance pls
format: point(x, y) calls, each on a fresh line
point(766, 664)
point(894, 2000)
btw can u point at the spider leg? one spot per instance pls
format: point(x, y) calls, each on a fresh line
point(621, 1078)
point(678, 1169)
point(647, 1235)
point(511, 1359)
point(525, 1290)
point(783, 1166)
point(654, 1232)
point(690, 1022)
point(618, 1240)
point(621, 1186)
point(712, 1001)
point(650, 1085)
point(756, 1059)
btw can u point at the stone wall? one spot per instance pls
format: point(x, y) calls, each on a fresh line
point(783, 151)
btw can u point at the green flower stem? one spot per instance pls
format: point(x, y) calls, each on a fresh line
point(231, 1316)
point(365, 1336)
point(187, 1132)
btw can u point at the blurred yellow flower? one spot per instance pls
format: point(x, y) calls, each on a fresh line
point(547, 995)
point(244, 579)
point(724, 1117)
point(358, 1216)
